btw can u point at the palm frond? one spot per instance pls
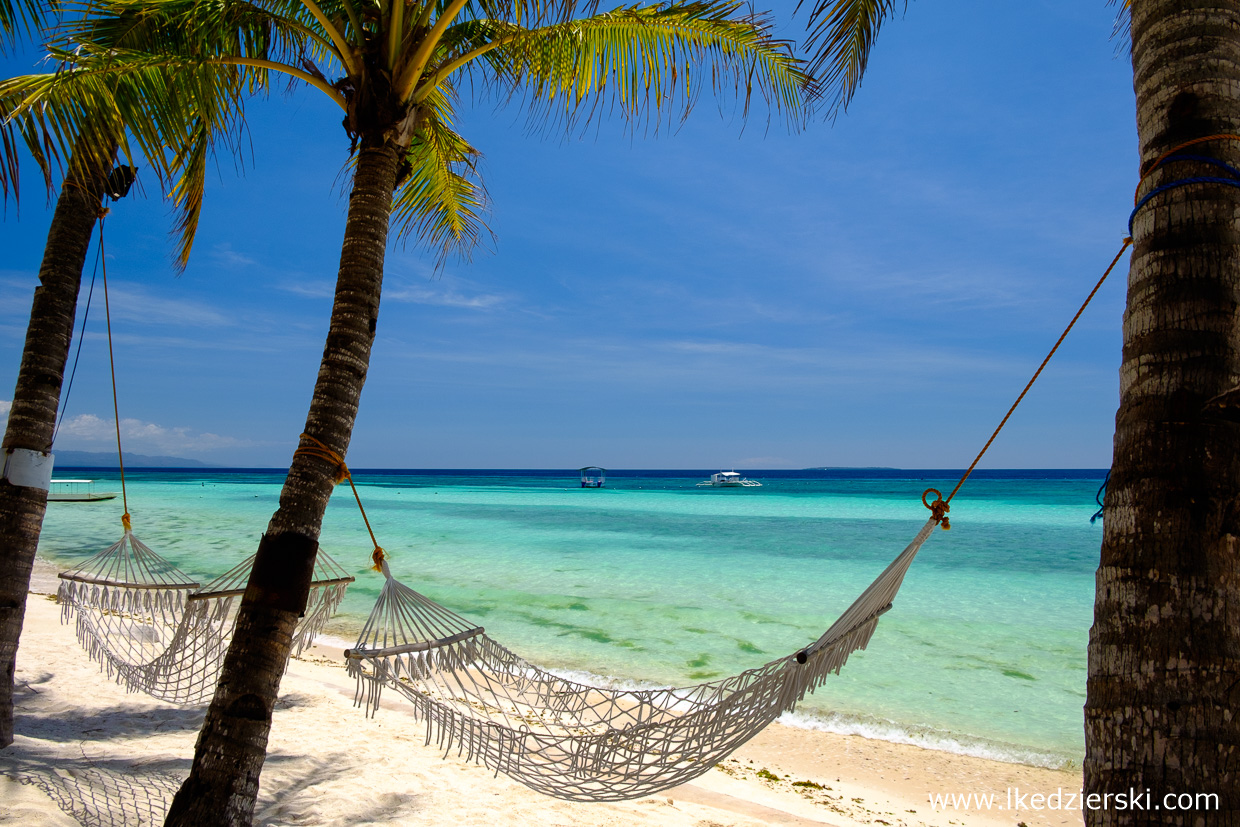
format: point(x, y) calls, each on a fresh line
point(842, 33)
point(648, 61)
point(189, 190)
point(532, 14)
point(20, 18)
point(203, 30)
point(161, 113)
point(38, 111)
point(1121, 32)
point(442, 199)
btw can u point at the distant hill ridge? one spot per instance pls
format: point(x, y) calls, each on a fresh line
point(104, 459)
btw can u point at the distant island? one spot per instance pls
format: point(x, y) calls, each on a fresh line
point(852, 468)
point(105, 459)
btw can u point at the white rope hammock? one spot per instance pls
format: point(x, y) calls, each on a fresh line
point(580, 742)
point(153, 628)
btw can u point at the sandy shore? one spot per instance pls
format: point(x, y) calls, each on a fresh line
point(88, 752)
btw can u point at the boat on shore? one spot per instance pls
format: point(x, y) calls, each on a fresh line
point(77, 491)
point(729, 479)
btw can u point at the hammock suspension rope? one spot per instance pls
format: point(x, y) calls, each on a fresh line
point(581, 742)
point(150, 625)
point(589, 743)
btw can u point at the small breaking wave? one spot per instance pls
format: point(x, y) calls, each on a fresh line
point(928, 738)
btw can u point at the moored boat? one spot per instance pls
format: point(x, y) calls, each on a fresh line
point(593, 476)
point(730, 479)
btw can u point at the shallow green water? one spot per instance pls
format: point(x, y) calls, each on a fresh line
point(652, 579)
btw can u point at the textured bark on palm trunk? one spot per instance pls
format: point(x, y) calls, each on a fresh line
point(36, 399)
point(223, 784)
point(1163, 710)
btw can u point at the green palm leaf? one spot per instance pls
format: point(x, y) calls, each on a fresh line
point(441, 200)
point(21, 17)
point(651, 59)
point(165, 116)
point(842, 33)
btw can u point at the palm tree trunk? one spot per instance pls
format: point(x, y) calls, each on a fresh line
point(1162, 716)
point(223, 784)
point(36, 398)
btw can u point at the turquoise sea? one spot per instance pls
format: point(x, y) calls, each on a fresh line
point(653, 580)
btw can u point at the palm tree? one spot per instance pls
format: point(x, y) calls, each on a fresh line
point(36, 399)
point(397, 69)
point(37, 396)
point(94, 124)
point(1164, 651)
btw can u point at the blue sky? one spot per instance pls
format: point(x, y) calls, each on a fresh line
point(870, 291)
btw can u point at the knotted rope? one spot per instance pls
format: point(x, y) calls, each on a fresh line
point(321, 451)
point(938, 508)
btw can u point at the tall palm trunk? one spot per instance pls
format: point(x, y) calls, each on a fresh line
point(1163, 708)
point(36, 399)
point(223, 784)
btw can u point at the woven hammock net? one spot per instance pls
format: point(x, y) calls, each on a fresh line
point(579, 742)
point(155, 630)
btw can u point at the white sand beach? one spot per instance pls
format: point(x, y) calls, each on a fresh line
point(88, 752)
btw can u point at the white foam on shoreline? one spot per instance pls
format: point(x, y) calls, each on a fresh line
point(329, 641)
point(873, 729)
point(926, 738)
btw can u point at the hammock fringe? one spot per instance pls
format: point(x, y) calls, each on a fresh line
point(155, 631)
point(580, 742)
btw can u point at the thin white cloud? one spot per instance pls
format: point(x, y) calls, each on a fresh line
point(15, 295)
point(226, 255)
point(684, 364)
point(310, 289)
point(133, 303)
point(160, 346)
point(433, 294)
point(89, 432)
point(444, 297)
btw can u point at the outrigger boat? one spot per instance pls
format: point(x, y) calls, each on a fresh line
point(730, 479)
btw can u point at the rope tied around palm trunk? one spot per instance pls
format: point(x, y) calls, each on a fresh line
point(321, 451)
point(1175, 155)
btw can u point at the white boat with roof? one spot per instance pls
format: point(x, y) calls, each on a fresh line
point(730, 479)
point(77, 491)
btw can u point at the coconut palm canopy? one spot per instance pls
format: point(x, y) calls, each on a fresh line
point(168, 123)
point(395, 70)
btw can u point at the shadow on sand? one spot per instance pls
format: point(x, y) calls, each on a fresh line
point(102, 788)
point(101, 792)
